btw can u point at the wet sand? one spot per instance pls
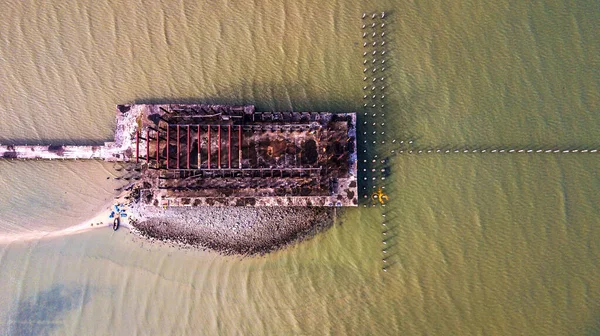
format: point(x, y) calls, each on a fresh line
point(226, 230)
point(99, 220)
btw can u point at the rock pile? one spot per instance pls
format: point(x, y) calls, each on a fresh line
point(231, 230)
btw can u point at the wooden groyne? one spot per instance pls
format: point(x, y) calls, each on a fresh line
point(374, 65)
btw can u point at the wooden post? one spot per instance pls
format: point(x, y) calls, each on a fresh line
point(208, 146)
point(148, 146)
point(229, 146)
point(188, 147)
point(219, 148)
point(240, 146)
point(168, 142)
point(158, 151)
point(300, 153)
point(199, 148)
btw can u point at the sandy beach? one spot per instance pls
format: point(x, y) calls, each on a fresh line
point(99, 220)
point(226, 230)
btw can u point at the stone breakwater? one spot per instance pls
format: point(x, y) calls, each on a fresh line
point(232, 230)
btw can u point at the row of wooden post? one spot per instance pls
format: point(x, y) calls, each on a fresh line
point(168, 138)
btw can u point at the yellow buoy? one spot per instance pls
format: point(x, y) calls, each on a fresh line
point(379, 195)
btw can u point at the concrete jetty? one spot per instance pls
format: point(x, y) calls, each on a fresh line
point(59, 152)
point(122, 149)
point(210, 155)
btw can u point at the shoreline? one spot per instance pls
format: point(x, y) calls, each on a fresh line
point(99, 220)
point(244, 231)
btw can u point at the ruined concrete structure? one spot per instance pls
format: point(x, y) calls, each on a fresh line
point(211, 155)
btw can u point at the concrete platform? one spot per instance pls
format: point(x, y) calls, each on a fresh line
point(212, 155)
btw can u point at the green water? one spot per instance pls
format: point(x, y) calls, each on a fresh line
point(478, 244)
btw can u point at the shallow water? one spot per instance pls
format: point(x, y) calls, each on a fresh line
point(478, 243)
